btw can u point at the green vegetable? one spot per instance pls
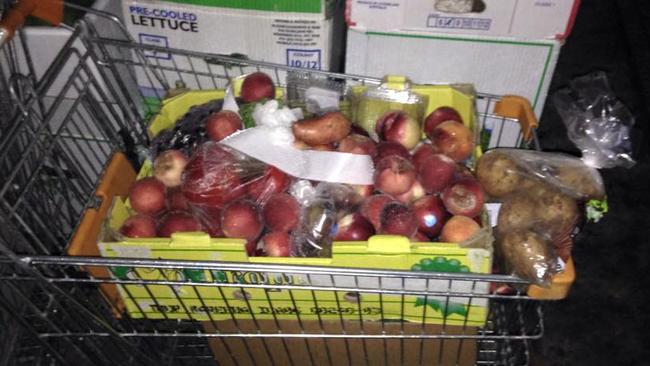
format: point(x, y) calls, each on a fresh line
point(596, 209)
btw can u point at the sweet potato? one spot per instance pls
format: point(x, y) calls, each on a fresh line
point(326, 129)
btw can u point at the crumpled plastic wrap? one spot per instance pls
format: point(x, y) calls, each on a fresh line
point(596, 121)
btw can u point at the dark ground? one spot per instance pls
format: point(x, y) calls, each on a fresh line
point(603, 321)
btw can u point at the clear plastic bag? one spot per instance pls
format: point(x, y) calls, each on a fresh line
point(528, 254)
point(503, 171)
point(393, 94)
point(217, 175)
point(317, 94)
point(189, 131)
point(541, 197)
point(319, 214)
point(596, 121)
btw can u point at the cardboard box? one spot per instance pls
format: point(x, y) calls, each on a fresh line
point(337, 351)
point(548, 19)
point(495, 65)
point(290, 32)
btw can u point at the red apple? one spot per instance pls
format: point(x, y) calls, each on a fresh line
point(436, 173)
point(168, 167)
point(372, 206)
point(420, 237)
point(139, 226)
point(458, 229)
point(388, 148)
point(438, 116)
point(147, 196)
point(281, 212)
point(222, 124)
point(430, 214)
point(465, 197)
point(453, 139)
point(276, 244)
point(241, 219)
point(398, 219)
point(398, 126)
point(176, 200)
point(273, 181)
point(422, 153)
point(257, 86)
point(354, 227)
point(211, 178)
point(358, 144)
point(178, 221)
point(412, 194)
point(394, 175)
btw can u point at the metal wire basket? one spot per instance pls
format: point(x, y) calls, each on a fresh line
point(53, 155)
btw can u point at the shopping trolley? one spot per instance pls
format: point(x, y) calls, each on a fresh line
point(55, 153)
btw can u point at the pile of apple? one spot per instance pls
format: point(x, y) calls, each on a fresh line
point(423, 191)
point(421, 188)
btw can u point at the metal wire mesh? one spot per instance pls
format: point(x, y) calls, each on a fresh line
point(52, 155)
point(72, 312)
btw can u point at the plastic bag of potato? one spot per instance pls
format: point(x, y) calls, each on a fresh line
point(542, 196)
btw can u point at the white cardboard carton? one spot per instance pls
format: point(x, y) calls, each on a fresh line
point(495, 65)
point(291, 32)
point(515, 18)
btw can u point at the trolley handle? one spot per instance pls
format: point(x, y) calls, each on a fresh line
point(514, 106)
point(50, 11)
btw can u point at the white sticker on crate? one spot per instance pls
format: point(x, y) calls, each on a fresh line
point(131, 251)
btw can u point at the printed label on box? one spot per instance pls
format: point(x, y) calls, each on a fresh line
point(308, 59)
point(153, 40)
point(438, 21)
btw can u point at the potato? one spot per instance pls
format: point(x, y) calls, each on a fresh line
point(557, 213)
point(583, 180)
point(517, 212)
point(528, 255)
point(324, 130)
point(498, 174)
